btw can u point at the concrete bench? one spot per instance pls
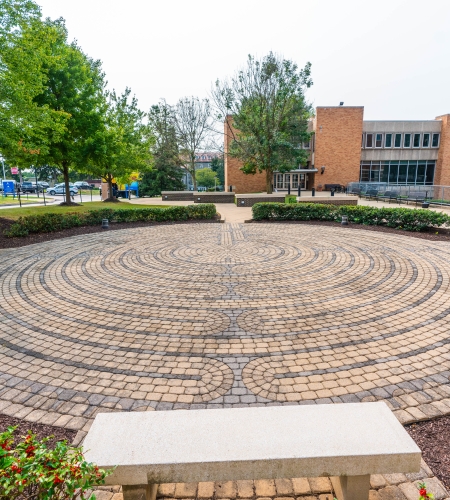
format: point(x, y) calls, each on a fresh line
point(346, 442)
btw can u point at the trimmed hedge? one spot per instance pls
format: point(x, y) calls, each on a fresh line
point(398, 218)
point(47, 223)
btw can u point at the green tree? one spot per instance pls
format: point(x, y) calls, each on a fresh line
point(122, 144)
point(192, 120)
point(266, 113)
point(206, 177)
point(217, 165)
point(166, 173)
point(26, 53)
point(75, 86)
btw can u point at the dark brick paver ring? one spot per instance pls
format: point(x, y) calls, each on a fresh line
point(196, 316)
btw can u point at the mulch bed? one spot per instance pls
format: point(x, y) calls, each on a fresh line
point(433, 234)
point(78, 231)
point(40, 430)
point(433, 438)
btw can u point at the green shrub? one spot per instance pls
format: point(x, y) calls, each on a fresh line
point(47, 223)
point(31, 470)
point(290, 199)
point(398, 218)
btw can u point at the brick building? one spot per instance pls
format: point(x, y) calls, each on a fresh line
point(346, 148)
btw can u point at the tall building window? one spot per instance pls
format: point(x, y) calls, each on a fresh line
point(369, 140)
point(435, 141)
point(388, 141)
point(416, 142)
point(378, 140)
point(426, 141)
point(375, 171)
point(404, 172)
point(365, 171)
point(407, 141)
point(398, 141)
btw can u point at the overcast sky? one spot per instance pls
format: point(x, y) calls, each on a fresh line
point(390, 56)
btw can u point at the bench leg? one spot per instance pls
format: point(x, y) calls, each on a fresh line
point(351, 487)
point(140, 492)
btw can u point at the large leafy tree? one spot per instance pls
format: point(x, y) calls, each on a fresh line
point(166, 173)
point(266, 114)
point(123, 143)
point(76, 87)
point(26, 53)
point(193, 125)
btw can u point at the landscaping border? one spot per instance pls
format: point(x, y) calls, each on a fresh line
point(397, 218)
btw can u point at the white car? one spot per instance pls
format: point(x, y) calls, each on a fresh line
point(61, 190)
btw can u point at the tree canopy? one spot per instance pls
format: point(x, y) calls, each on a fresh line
point(26, 52)
point(122, 143)
point(266, 114)
point(192, 120)
point(166, 173)
point(206, 178)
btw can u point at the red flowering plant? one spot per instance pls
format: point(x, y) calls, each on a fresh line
point(29, 470)
point(424, 495)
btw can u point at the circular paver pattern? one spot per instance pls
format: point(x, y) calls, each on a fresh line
point(192, 316)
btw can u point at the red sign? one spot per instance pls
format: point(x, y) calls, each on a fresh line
point(14, 170)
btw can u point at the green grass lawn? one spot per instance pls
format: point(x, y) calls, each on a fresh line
point(15, 213)
point(9, 200)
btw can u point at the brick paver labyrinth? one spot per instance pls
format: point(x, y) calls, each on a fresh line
point(212, 315)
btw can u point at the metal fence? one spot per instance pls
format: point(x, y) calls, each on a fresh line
point(439, 195)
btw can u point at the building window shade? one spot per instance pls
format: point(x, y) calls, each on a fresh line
point(388, 141)
point(369, 140)
point(378, 140)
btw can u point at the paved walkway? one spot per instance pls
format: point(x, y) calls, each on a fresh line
point(383, 487)
point(218, 315)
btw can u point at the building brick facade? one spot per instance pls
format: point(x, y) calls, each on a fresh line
point(337, 149)
point(443, 162)
point(345, 148)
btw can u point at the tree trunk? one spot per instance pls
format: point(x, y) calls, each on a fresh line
point(66, 182)
point(110, 186)
point(194, 180)
point(269, 179)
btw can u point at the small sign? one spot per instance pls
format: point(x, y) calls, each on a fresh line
point(8, 187)
point(14, 170)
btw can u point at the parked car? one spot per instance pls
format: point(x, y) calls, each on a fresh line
point(43, 184)
point(61, 190)
point(60, 184)
point(30, 187)
point(83, 185)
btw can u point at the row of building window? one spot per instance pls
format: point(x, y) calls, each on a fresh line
point(408, 140)
point(405, 172)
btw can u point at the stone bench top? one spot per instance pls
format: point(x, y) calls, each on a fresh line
point(214, 193)
point(251, 443)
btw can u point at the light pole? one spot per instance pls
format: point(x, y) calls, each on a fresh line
point(3, 164)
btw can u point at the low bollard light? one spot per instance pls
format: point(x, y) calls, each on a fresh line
point(332, 192)
point(344, 221)
point(105, 224)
